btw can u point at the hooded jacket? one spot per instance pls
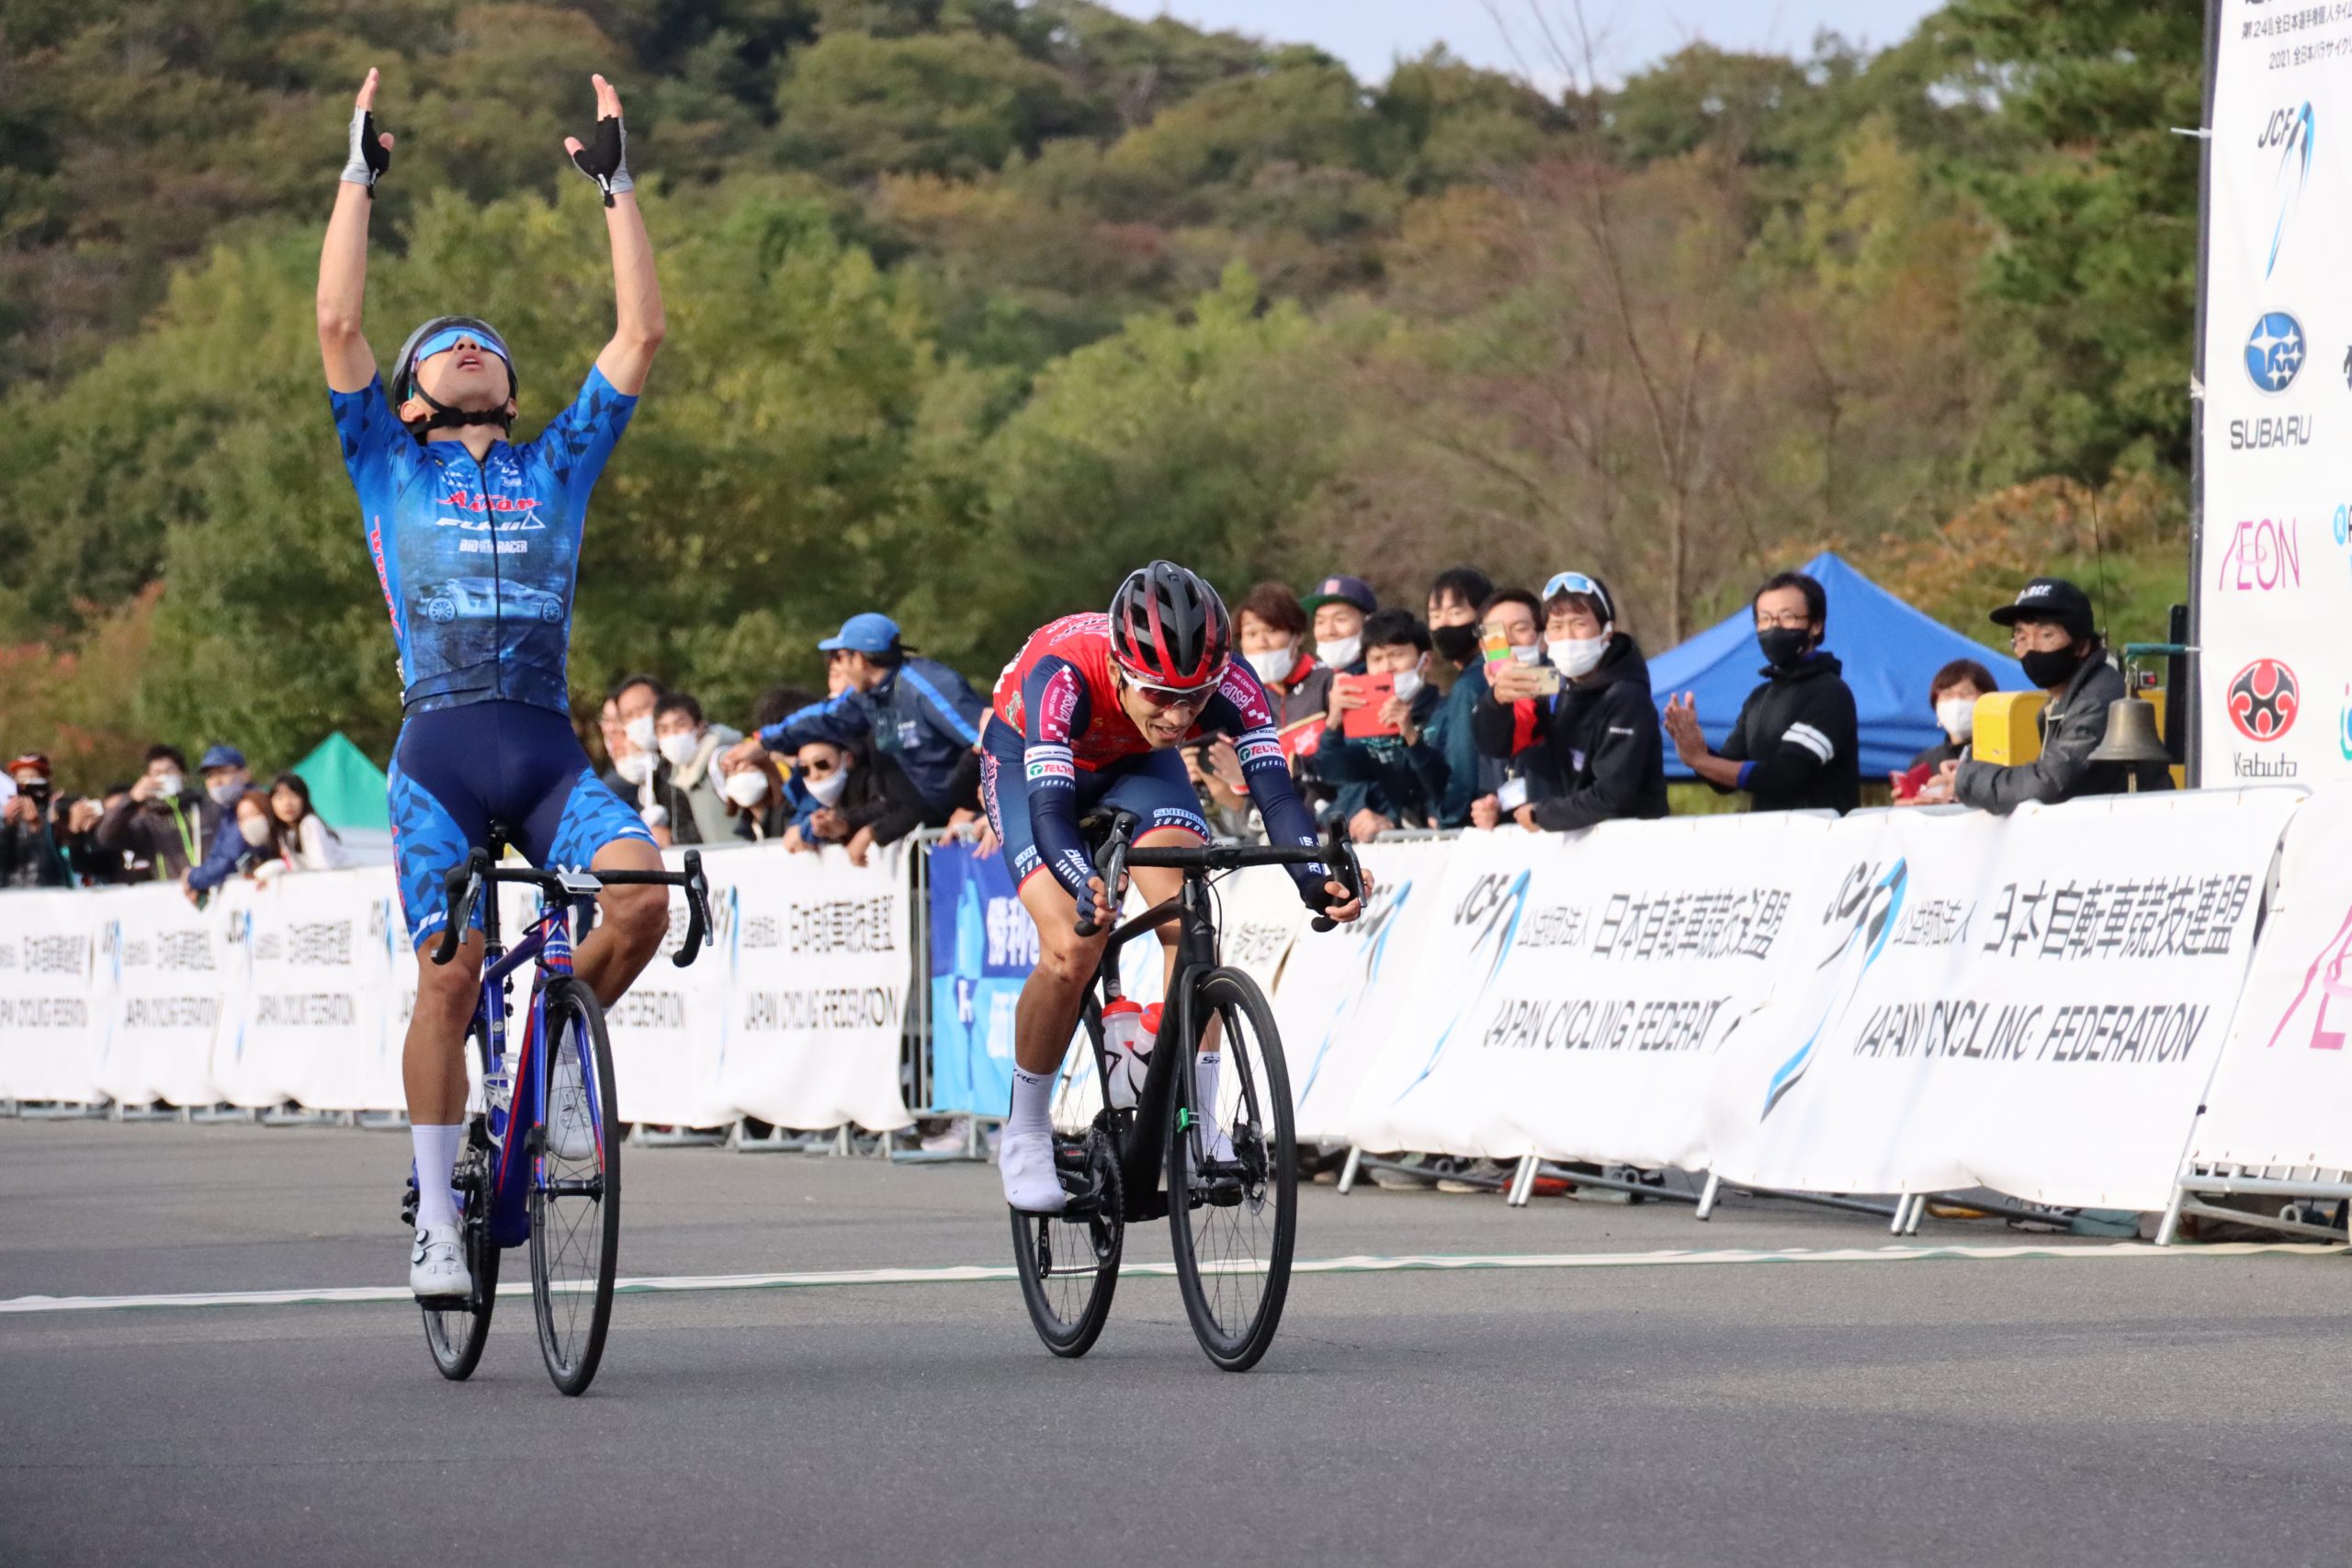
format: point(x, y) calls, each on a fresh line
point(1797, 740)
point(1599, 742)
point(2072, 727)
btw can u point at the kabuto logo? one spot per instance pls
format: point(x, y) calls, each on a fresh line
point(1490, 912)
point(2288, 132)
point(2263, 700)
point(1863, 912)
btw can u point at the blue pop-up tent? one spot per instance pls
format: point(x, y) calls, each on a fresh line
point(1889, 652)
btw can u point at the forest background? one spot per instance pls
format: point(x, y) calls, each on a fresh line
point(975, 303)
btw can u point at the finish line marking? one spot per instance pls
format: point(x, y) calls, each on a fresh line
point(989, 1274)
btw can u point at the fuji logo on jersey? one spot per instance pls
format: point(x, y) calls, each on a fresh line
point(2274, 352)
point(2263, 700)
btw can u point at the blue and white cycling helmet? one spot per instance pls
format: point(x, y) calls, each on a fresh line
point(438, 336)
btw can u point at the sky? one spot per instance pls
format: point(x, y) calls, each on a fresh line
point(1371, 34)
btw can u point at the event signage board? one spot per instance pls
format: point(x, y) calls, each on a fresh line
point(2274, 572)
point(2033, 1003)
point(179, 976)
point(2282, 1096)
point(56, 994)
point(983, 945)
point(309, 1025)
point(1574, 989)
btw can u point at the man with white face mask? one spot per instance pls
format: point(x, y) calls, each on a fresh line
point(1388, 772)
point(687, 788)
point(165, 825)
point(1597, 738)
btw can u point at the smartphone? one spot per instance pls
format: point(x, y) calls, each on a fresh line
point(1363, 723)
point(1495, 643)
point(1548, 680)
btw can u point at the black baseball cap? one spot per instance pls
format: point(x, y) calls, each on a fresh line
point(2051, 599)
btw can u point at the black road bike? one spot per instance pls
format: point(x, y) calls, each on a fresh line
point(1232, 1220)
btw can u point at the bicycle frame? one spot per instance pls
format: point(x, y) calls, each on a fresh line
point(547, 947)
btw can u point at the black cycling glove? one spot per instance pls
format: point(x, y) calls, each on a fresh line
point(605, 159)
point(367, 157)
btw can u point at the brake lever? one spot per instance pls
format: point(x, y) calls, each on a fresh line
point(1346, 869)
point(698, 911)
point(460, 888)
point(1114, 867)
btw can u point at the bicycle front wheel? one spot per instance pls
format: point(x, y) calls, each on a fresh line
point(1233, 1212)
point(576, 1191)
point(1069, 1263)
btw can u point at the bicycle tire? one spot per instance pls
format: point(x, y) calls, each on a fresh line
point(1219, 1217)
point(456, 1334)
point(1068, 1306)
point(575, 1204)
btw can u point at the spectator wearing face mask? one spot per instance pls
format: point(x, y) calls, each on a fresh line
point(1951, 696)
point(1455, 598)
point(250, 840)
point(1795, 746)
point(226, 780)
point(1270, 629)
point(858, 805)
point(1396, 777)
point(760, 799)
point(1599, 733)
point(687, 790)
point(162, 828)
point(2053, 634)
point(310, 844)
point(77, 834)
point(29, 854)
point(1510, 625)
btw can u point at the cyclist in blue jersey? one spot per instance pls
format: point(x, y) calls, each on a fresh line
point(476, 541)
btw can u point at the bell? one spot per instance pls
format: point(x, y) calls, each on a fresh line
point(2131, 735)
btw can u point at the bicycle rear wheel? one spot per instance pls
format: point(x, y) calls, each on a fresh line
point(455, 1335)
point(1232, 1220)
point(1068, 1262)
point(576, 1200)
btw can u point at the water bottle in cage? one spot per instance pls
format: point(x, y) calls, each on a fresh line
point(1125, 1052)
point(497, 1099)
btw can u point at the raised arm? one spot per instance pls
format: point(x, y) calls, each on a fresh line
point(343, 260)
point(636, 293)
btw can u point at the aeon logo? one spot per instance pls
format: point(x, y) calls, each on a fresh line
point(2266, 554)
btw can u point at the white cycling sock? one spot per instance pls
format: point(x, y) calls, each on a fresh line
point(1204, 1067)
point(1033, 1101)
point(437, 1157)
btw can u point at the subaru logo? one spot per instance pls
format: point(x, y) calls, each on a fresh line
point(2274, 352)
point(2289, 130)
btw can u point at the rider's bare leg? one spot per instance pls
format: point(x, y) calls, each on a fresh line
point(633, 921)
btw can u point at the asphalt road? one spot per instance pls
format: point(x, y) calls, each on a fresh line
point(2094, 1408)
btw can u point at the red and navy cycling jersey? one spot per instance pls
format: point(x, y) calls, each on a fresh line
point(1060, 698)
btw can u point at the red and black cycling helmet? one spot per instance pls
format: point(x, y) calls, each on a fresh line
point(1170, 629)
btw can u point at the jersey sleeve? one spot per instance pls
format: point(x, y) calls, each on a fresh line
point(1053, 709)
point(576, 444)
point(838, 721)
point(372, 440)
point(1242, 710)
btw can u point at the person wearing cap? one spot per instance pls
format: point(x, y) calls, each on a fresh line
point(2053, 636)
point(226, 779)
point(1599, 732)
point(476, 539)
point(29, 855)
point(920, 717)
point(1338, 605)
point(1796, 745)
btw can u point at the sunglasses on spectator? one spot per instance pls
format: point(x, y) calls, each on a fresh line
point(820, 770)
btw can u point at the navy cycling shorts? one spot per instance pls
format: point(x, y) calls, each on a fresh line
point(1153, 785)
point(456, 771)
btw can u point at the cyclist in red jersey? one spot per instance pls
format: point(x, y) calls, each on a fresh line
point(1092, 713)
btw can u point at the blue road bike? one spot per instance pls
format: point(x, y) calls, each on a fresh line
point(516, 1183)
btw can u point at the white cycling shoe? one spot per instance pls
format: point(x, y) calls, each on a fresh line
point(571, 1128)
point(1025, 1162)
point(436, 1264)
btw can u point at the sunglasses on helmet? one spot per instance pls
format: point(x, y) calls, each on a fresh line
point(1577, 583)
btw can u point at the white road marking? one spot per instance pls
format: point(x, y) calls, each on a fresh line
point(980, 1274)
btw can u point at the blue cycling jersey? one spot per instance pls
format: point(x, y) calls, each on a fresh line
point(477, 558)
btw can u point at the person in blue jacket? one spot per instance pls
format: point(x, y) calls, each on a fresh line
point(917, 713)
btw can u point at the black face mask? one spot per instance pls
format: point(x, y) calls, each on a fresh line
point(2054, 667)
point(1454, 644)
point(1784, 646)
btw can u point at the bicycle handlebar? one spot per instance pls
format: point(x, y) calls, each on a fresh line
point(1118, 855)
point(464, 884)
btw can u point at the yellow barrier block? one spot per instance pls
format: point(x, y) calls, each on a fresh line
point(2157, 696)
point(2005, 731)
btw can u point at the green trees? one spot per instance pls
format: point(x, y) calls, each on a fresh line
point(973, 303)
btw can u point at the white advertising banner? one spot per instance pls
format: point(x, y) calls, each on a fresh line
point(2282, 1095)
point(1574, 989)
point(2273, 589)
point(177, 979)
point(2033, 1004)
point(56, 993)
point(822, 966)
point(315, 1023)
point(670, 1034)
point(1341, 995)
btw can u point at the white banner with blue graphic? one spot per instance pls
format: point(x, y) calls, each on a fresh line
point(1574, 989)
point(178, 976)
point(2274, 579)
point(822, 955)
point(56, 995)
point(1341, 996)
point(312, 988)
point(2034, 1004)
point(983, 945)
point(2282, 1095)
